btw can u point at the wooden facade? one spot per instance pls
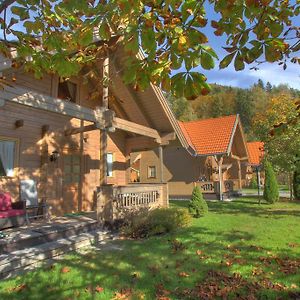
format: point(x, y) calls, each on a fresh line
point(183, 169)
point(82, 133)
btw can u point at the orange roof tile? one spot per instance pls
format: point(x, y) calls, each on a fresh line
point(256, 152)
point(210, 136)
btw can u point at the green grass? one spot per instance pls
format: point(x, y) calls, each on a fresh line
point(259, 242)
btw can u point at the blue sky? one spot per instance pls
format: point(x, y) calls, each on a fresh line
point(271, 72)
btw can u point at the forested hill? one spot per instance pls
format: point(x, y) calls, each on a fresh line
point(249, 103)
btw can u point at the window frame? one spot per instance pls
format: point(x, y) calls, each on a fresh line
point(112, 164)
point(16, 155)
point(56, 81)
point(150, 176)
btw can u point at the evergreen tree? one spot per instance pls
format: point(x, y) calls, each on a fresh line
point(271, 192)
point(244, 107)
point(260, 84)
point(217, 107)
point(253, 183)
point(269, 87)
point(296, 182)
point(181, 108)
point(197, 205)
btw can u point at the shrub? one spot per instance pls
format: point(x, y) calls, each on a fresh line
point(271, 192)
point(296, 182)
point(197, 205)
point(253, 182)
point(157, 221)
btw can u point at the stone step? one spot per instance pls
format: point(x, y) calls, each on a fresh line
point(20, 261)
point(46, 233)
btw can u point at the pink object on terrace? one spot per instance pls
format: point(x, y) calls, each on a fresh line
point(11, 213)
point(5, 201)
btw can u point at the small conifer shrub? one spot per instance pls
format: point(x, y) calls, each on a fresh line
point(197, 205)
point(271, 192)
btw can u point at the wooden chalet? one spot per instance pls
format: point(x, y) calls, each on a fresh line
point(215, 159)
point(254, 166)
point(78, 150)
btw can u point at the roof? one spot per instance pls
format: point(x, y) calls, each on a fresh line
point(211, 136)
point(256, 152)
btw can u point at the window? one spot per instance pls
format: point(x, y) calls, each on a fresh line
point(151, 172)
point(67, 90)
point(7, 157)
point(109, 164)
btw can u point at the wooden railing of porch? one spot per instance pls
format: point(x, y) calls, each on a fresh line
point(211, 187)
point(113, 202)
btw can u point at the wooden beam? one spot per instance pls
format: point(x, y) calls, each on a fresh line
point(136, 128)
point(103, 132)
point(238, 158)
point(220, 163)
point(140, 143)
point(167, 137)
point(239, 174)
point(48, 103)
point(161, 163)
point(83, 129)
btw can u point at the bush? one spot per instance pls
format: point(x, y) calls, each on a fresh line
point(253, 182)
point(296, 182)
point(271, 192)
point(157, 221)
point(197, 205)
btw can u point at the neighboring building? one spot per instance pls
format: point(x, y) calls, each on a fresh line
point(254, 167)
point(217, 150)
point(78, 149)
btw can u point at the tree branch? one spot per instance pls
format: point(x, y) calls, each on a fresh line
point(5, 3)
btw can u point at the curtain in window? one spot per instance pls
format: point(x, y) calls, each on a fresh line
point(7, 153)
point(72, 90)
point(109, 164)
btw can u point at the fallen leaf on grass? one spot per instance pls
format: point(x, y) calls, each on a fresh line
point(123, 294)
point(65, 270)
point(18, 288)
point(99, 289)
point(183, 274)
point(161, 293)
point(199, 252)
point(293, 245)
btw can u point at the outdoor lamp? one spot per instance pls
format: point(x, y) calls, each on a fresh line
point(54, 156)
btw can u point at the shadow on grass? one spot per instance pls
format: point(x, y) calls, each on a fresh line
point(152, 267)
point(248, 205)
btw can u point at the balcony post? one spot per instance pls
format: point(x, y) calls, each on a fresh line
point(103, 132)
point(161, 163)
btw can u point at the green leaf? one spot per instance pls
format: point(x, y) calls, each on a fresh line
point(239, 63)
point(148, 40)
point(104, 31)
point(21, 12)
point(227, 60)
point(207, 61)
point(276, 29)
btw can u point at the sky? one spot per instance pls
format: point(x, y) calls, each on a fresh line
point(271, 72)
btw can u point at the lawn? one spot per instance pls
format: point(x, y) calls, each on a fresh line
point(241, 250)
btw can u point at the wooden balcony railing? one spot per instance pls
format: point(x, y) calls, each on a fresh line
point(113, 202)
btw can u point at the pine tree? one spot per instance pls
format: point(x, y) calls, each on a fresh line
point(197, 205)
point(269, 87)
point(271, 192)
point(260, 83)
point(296, 182)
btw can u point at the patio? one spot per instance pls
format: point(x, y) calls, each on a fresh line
point(40, 242)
